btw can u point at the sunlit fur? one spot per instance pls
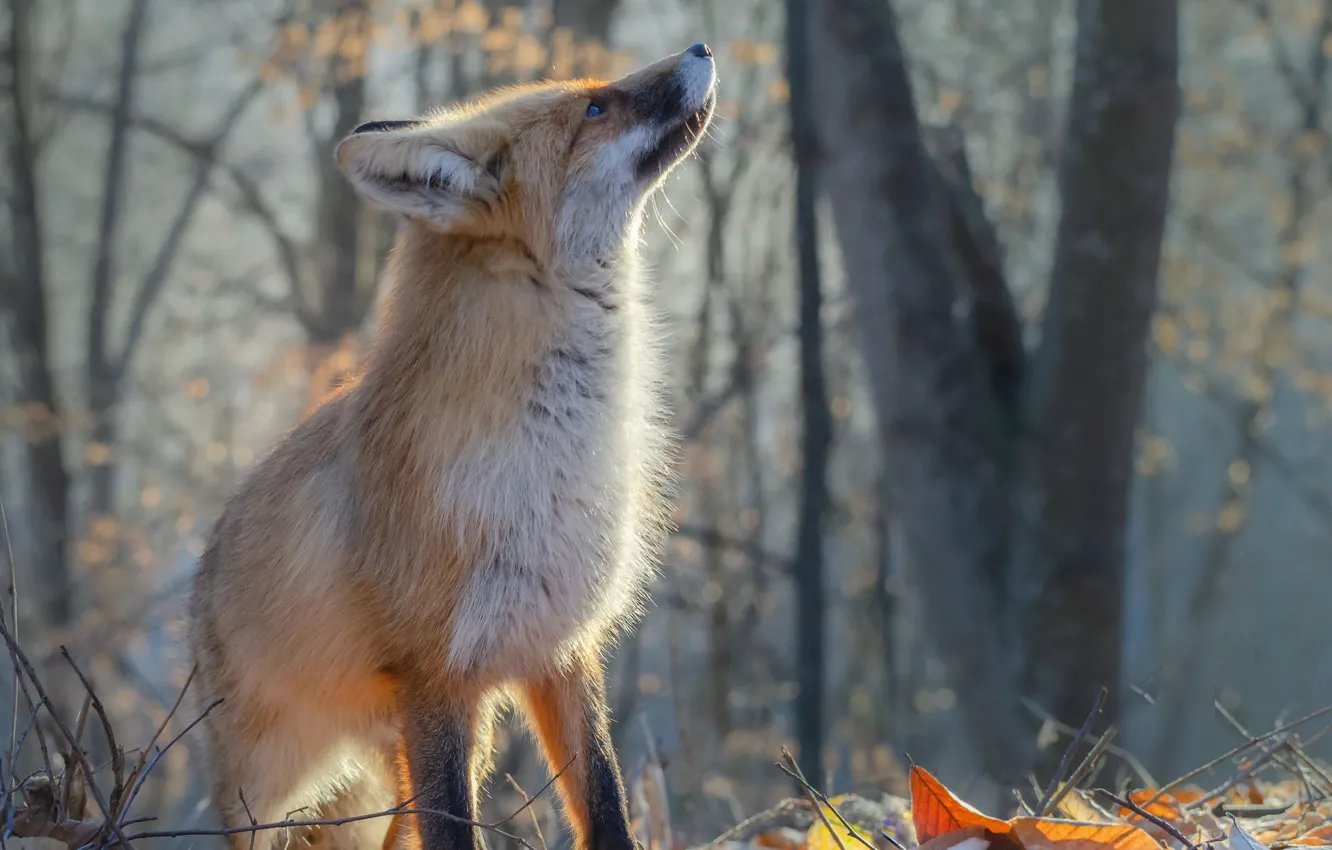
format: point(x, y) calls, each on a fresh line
point(481, 509)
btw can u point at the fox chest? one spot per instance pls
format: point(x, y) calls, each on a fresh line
point(550, 495)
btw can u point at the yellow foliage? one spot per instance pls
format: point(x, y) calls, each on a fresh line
point(819, 838)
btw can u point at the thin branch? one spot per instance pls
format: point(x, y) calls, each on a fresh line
point(1302, 759)
point(141, 769)
point(1142, 812)
point(799, 777)
point(168, 250)
point(115, 173)
point(251, 198)
point(406, 808)
point(1088, 764)
point(1131, 760)
point(1048, 801)
point(1257, 762)
point(17, 651)
point(1280, 730)
point(536, 823)
point(792, 769)
point(117, 755)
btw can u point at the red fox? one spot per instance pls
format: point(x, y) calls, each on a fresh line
point(476, 514)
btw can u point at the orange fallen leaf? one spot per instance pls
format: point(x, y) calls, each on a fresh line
point(1188, 794)
point(1051, 834)
point(935, 811)
point(1076, 806)
point(779, 839)
point(1167, 806)
point(1319, 835)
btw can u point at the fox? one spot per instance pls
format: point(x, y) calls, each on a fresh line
point(472, 520)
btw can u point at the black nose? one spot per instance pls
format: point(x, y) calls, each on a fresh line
point(701, 50)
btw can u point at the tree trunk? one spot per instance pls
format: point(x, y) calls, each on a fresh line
point(1024, 598)
point(342, 304)
point(938, 415)
point(816, 440)
point(104, 373)
point(25, 301)
point(590, 20)
point(1084, 395)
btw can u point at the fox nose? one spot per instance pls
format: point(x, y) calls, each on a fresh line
point(701, 50)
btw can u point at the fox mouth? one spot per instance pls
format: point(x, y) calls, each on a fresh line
point(678, 141)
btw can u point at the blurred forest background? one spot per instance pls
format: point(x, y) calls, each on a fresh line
point(987, 398)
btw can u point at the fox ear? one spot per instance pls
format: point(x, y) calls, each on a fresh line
point(423, 170)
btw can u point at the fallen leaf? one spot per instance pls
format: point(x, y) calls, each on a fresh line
point(1051, 834)
point(819, 838)
point(935, 811)
point(1167, 806)
point(783, 838)
point(1077, 807)
point(1188, 794)
point(1240, 839)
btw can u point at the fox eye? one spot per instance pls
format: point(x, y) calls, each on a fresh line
point(593, 110)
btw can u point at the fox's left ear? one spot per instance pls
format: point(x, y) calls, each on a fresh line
point(435, 172)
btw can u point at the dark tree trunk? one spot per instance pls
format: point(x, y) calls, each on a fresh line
point(1024, 597)
point(816, 441)
point(1084, 396)
point(342, 303)
point(24, 299)
point(590, 20)
point(940, 422)
point(104, 373)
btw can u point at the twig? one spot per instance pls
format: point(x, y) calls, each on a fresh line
point(1280, 730)
point(1047, 800)
point(406, 808)
point(289, 824)
point(143, 754)
point(1131, 760)
point(542, 790)
point(71, 777)
point(1301, 757)
point(536, 823)
point(117, 756)
point(1255, 763)
point(816, 797)
point(249, 815)
point(142, 777)
point(888, 836)
point(1159, 821)
point(1022, 803)
point(82, 757)
point(1088, 764)
point(810, 793)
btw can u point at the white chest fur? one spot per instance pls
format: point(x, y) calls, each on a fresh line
point(555, 496)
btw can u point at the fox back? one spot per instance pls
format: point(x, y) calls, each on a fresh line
point(480, 509)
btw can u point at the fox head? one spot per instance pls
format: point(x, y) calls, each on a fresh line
point(562, 167)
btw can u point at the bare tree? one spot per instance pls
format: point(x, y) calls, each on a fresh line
point(23, 299)
point(816, 440)
point(1010, 473)
point(588, 19)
